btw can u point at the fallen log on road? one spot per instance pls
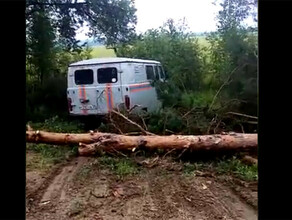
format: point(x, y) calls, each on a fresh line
point(91, 143)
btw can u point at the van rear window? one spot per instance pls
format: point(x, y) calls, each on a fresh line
point(107, 75)
point(83, 77)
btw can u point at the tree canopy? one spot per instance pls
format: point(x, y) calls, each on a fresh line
point(112, 21)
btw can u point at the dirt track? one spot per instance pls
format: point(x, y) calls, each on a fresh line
point(81, 189)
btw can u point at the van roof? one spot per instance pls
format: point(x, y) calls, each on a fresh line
point(111, 60)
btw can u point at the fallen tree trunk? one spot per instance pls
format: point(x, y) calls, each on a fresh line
point(91, 143)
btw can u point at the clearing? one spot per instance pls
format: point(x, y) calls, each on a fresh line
point(101, 51)
point(105, 188)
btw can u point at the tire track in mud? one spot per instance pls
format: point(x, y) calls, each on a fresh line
point(247, 192)
point(149, 195)
point(198, 198)
point(52, 189)
point(33, 198)
point(230, 201)
point(56, 191)
point(173, 199)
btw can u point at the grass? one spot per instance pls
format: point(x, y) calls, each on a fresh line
point(120, 166)
point(45, 156)
point(239, 169)
point(56, 124)
point(190, 168)
point(75, 208)
point(102, 51)
point(231, 166)
point(84, 172)
point(203, 41)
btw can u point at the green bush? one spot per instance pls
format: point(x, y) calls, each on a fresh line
point(236, 167)
point(120, 166)
point(51, 154)
point(166, 119)
point(49, 97)
point(56, 124)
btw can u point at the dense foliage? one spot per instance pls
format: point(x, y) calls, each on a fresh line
point(204, 83)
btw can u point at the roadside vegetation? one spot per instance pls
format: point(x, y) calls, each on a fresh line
point(211, 80)
point(43, 157)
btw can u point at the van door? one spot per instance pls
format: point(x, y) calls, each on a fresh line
point(81, 93)
point(142, 92)
point(109, 94)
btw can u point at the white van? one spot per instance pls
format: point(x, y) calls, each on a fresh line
point(96, 86)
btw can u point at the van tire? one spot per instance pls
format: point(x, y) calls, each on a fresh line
point(91, 122)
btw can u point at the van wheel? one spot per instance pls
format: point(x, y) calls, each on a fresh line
point(92, 123)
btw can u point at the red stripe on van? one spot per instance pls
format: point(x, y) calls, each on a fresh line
point(85, 111)
point(111, 96)
point(80, 92)
point(82, 95)
point(140, 89)
point(107, 97)
point(139, 84)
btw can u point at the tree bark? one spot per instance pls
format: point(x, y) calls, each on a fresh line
point(91, 143)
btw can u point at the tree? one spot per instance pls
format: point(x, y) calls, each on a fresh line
point(110, 20)
point(116, 24)
point(234, 56)
point(40, 44)
point(176, 48)
point(234, 12)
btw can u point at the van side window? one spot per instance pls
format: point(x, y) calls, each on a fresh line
point(107, 75)
point(140, 75)
point(162, 75)
point(156, 72)
point(150, 72)
point(83, 77)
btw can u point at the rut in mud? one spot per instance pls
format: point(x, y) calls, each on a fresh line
point(83, 189)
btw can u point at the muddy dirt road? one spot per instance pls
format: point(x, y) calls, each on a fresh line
point(82, 189)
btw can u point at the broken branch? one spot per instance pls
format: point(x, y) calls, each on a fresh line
point(243, 115)
point(133, 123)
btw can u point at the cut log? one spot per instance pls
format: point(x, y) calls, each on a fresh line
point(91, 143)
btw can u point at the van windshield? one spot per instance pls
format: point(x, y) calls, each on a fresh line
point(83, 77)
point(107, 75)
point(156, 72)
point(162, 75)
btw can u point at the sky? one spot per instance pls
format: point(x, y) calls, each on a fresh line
point(199, 15)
